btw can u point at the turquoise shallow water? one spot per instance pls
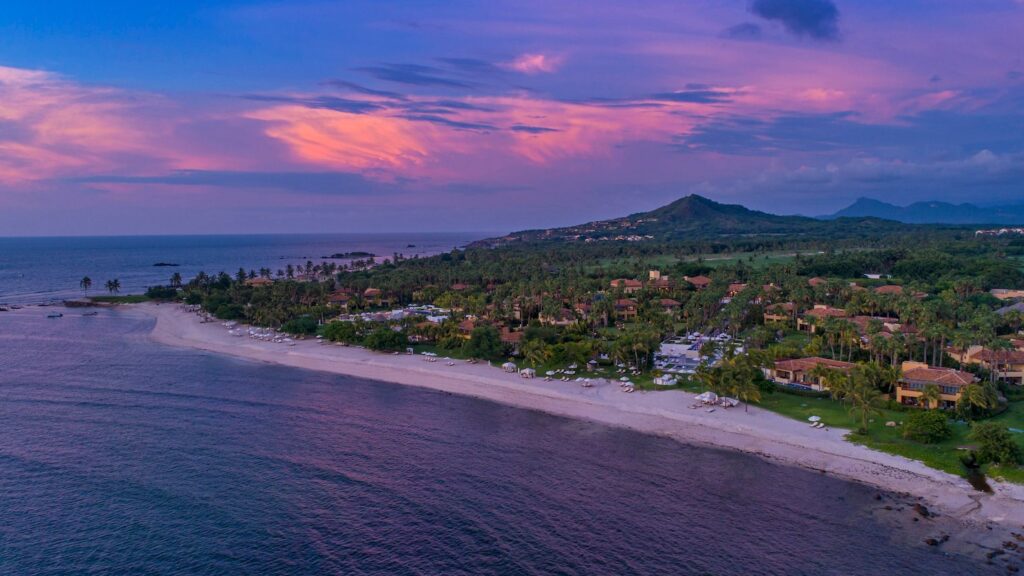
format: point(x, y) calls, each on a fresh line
point(120, 456)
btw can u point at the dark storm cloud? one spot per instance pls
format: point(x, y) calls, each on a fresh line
point(818, 19)
point(325, 102)
point(532, 129)
point(414, 75)
point(744, 31)
point(442, 121)
point(360, 89)
point(330, 183)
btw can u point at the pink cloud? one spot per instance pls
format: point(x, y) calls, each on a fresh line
point(534, 63)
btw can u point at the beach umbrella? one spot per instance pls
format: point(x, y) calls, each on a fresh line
point(814, 418)
point(624, 379)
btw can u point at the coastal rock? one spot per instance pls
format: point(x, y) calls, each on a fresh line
point(922, 510)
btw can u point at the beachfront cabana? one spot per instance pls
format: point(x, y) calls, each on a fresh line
point(509, 367)
point(528, 373)
point(707, 397)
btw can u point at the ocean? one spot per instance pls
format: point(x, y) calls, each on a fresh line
point(122, 456)
point(36, 270)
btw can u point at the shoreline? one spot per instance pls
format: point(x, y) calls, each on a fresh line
point(982, 521)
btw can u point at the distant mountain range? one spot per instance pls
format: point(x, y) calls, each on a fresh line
point(693, 217)
point(933, 213)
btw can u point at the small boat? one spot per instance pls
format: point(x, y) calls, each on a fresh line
point(54, 315)
point(93, 313)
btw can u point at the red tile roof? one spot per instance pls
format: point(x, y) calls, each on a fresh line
point(1001, 356)
point(826, 312)
point(808, 364)
point(698, 281)
point(626, 283)
point(889, 289)
point(941, 376)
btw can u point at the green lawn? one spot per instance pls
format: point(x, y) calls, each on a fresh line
point(943, 456)
point(125, 299)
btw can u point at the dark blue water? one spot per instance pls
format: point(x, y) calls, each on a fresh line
point(121, 456)
point(41, 269)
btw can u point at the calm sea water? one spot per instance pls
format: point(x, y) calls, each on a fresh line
point(121, 456)
point(43, 269)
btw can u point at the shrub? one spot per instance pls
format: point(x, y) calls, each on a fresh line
point(341, 332)
point(300, 325)
point(485, 342)
point(384, 338)
point(995, 444)
point(928, 426)
point(162, 292)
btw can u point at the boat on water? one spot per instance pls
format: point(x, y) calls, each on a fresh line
point(54, 315)
point(93, 313)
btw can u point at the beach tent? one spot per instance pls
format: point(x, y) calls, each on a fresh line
point(707, 397)
point(729, 402)
point(508, 367)
point(527, 372)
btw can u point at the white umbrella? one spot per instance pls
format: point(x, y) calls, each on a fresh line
point(814, 418)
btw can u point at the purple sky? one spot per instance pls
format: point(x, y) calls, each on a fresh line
point(305, 116)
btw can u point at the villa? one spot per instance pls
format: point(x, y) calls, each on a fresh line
point(1008, 365)
point(698, 282)
point(626, 285)
point(798, 371)
point(1007, 293)
point(626, 309)
point(811, 318)
point(917, 376)
point(782, 312)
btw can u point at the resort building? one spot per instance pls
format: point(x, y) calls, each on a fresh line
point(625, 309)
point(821, 312)
point(816, 281)
point(698, 282)
point(658, 282)
point(782, 312)
point(626, 285)
point(1007, 293)
point(259, 281)
point(797, 372)
point(735, 288)
point(563, 317)
point(918, 376)
point(1008, 365)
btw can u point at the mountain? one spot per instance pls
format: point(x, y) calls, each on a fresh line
point(689, 217)
point(932, 213)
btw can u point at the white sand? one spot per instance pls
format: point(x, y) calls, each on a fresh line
point(664, 413)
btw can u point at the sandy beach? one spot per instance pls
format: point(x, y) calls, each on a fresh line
point(980, 516)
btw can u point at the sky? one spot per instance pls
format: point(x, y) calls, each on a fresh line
point(126, 117)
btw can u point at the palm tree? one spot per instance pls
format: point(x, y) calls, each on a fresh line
point(85, 283)
point(980, 396)
point(863, 395)
point(113, 286)
point(176, 280)
point(931, 395)
point(536, 352)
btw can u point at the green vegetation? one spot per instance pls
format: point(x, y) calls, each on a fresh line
point(928, 427)
point(604, 296)
point(126, 299)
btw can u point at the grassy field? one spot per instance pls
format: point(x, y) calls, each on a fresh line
point(943, 456)
point(125, 299)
